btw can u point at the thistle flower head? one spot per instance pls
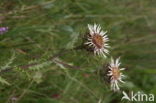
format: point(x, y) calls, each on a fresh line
point(115, 74)
point(3, 30)
point(97, 39)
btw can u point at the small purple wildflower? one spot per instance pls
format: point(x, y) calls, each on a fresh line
point(3, 30)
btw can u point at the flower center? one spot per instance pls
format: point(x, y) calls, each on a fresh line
point(115, 72)
point(98, 40)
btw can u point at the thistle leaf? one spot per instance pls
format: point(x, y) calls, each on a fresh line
point(3, 81)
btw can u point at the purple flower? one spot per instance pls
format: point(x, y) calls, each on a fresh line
point(3, 30)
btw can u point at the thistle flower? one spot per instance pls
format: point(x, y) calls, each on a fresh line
point(3, 30)
point(115, 74)
point(97, 40)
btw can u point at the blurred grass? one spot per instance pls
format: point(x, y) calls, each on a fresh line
point(40, 28)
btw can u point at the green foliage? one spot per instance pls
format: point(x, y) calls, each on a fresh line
point(3, 81)
point(41, 29)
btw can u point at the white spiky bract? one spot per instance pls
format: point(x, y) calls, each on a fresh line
point(96, 30)
point(115, 74)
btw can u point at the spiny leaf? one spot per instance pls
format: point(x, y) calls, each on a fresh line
point(3, 81)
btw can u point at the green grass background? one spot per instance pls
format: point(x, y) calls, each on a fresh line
point(39, 29)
